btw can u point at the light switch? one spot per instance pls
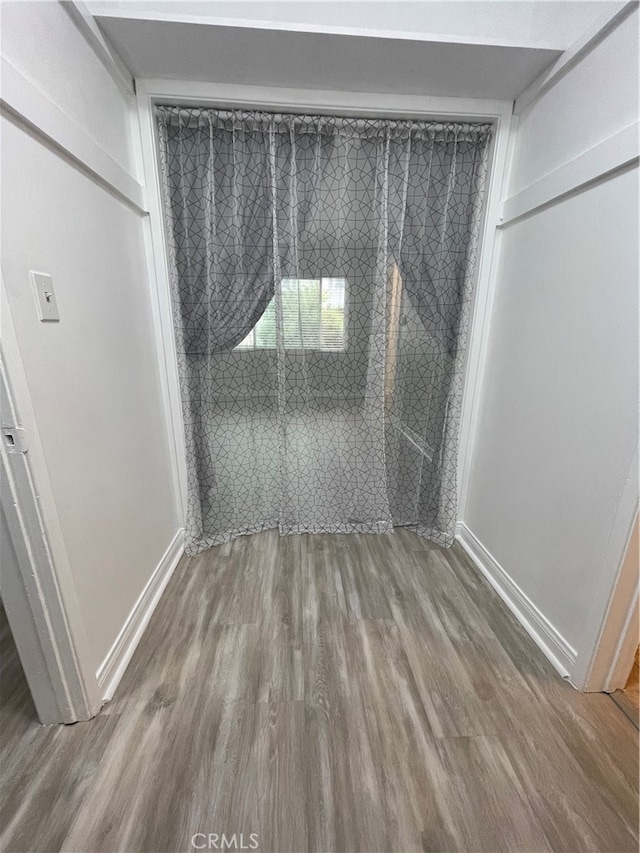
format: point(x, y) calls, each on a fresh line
point(45, 296)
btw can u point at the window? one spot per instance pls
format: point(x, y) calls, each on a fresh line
point(313, 315)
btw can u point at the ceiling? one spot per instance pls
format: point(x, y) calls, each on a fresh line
point(463, 49)
point(515, 23)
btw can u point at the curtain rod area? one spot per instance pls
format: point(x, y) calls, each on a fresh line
point(279, 122)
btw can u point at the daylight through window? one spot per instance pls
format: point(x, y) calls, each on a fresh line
point(313, 315)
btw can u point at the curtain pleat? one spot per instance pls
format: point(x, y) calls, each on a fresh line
point(321, 272)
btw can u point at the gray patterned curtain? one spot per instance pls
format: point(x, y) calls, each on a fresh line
point(321, 273)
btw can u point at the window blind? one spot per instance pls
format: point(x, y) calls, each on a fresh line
point(313, 316)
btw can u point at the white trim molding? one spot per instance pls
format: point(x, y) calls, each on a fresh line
point(161, 303)
point(482, 303)
point(542, 632)
point(330, 102)
point(627, 646)
point(26, 103)
point(629, 640)
point(604, 159)
point(114, 665)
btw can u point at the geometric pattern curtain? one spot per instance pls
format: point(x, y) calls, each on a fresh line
point(321, 273)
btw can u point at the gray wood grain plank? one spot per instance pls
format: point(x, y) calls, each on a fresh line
point(404, 754)
point(483, 803)
point(281, 632)
point(329, 693)
point(567, 802)
point(18, 718)
point(343, 797)
point(56, 773)
point(363, 584)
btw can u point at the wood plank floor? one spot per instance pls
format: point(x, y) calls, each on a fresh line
point(328, 693)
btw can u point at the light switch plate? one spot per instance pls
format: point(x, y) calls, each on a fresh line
point(45, 296)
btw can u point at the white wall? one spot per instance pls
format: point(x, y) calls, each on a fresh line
point(93, 378)
point(557, 431)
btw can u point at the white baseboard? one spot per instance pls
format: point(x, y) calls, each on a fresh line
point(542, 632)
point(114, 665)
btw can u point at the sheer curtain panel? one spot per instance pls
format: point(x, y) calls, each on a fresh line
point(321, 272)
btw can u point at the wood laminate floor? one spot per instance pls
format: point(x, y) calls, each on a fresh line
point(352, 693)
